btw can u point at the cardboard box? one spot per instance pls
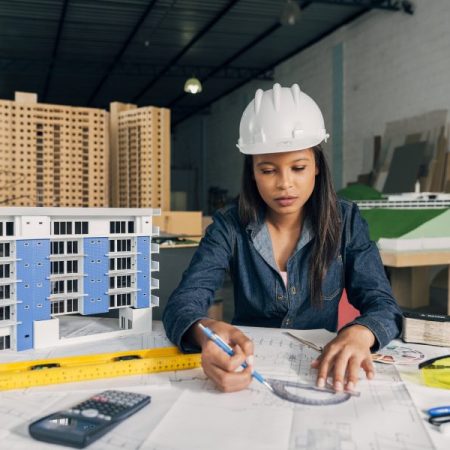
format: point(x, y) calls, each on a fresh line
point(180, 222)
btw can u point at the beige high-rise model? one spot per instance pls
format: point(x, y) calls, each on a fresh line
point(52, 155)
point(140, 156)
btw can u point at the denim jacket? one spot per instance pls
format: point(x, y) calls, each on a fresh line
point(261, 297)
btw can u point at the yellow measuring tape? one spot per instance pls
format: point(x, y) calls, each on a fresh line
point(19, 375)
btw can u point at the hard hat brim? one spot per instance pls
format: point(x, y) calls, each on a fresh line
point(289, 145)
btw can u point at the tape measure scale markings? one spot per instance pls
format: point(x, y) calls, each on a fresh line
point(71, 369)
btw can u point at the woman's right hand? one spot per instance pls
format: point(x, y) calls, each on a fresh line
point(217, 365)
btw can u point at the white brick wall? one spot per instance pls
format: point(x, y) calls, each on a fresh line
point(395, 66)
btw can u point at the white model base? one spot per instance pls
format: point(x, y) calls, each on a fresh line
point(46, 333)
point(440, 243)
point(138, 320)
point(131, 321)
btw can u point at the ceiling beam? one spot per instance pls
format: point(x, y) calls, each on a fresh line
point(276, 63)
point(391, 5)
point(184, 50)
point(388, 5)
point(124, 47)
point(232, 58)
point(303, 5)
point(37, 66)
point(55, 49)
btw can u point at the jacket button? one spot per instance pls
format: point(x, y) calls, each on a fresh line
point(280, 297)
point(293, 290)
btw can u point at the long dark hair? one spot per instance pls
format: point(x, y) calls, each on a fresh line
point(321, 208)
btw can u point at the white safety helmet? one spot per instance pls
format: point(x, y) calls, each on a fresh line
point(280, 120)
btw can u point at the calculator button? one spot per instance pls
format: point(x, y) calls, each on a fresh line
point(89, 412)
point(107, 417)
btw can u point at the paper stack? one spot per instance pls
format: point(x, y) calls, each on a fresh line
point(424, 328)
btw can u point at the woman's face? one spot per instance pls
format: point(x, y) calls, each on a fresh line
point(285, 180)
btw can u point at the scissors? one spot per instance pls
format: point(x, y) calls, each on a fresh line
point(440, 416)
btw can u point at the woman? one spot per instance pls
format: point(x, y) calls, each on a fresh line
point(291, 247)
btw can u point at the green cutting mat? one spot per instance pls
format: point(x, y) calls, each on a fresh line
point(394, 223)
point(360, 192)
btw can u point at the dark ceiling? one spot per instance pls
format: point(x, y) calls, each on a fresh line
point(92, 52)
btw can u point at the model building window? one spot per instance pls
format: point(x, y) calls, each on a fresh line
point(58, 307)
point(123, 263)
point(57, 267)
point(123, 245)
point(72, 247)
point(120, 245)
point(123, 299)
point(4, 271)
point(117, 227)
point(124, 281)
point(120, 264)
point(9, 228)
point(130, 226)
point(72, 285)
point(72, 266)
point(5, 313)
point(70, 228)
point(62, 228)
point(72, 305)
point(5, 292)
point(59, 228)
point(6, 228)
point(119, 300)
point(58, 287)
point(57, 248)
point(5, 342)
point(5, 250)
point(120, 282)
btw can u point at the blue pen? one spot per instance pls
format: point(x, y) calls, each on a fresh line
point(227, 349)
point(439, 411)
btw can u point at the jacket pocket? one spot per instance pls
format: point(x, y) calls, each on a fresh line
point(333, 283)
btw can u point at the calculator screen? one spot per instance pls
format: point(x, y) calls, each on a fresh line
point(62, 422)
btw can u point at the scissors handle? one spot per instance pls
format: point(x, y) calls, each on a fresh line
point(438, 420)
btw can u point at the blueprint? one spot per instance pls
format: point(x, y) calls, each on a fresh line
point(187, 412)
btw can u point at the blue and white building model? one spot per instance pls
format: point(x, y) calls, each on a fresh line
point(65, 261)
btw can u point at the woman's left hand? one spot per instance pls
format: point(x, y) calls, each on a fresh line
point(343, 356)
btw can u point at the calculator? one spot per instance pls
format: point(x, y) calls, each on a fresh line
point(87, 421)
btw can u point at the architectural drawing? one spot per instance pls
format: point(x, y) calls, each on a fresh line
point(188, 412)
point(61, 262)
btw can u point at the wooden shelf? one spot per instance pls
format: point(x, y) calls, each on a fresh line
point(415, 258)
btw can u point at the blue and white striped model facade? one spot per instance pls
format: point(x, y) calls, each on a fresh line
point(65, 261)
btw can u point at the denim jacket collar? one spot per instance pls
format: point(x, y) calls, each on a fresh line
point(259, 233)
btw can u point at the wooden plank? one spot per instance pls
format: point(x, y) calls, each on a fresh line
point(448, 292)
point(415, 258)
point(410, 286)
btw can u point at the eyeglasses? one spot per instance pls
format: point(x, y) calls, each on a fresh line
point(436, 372)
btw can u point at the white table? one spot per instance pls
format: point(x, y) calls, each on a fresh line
point(171, 393)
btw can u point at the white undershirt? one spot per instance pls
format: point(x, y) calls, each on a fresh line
point(284, 276)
